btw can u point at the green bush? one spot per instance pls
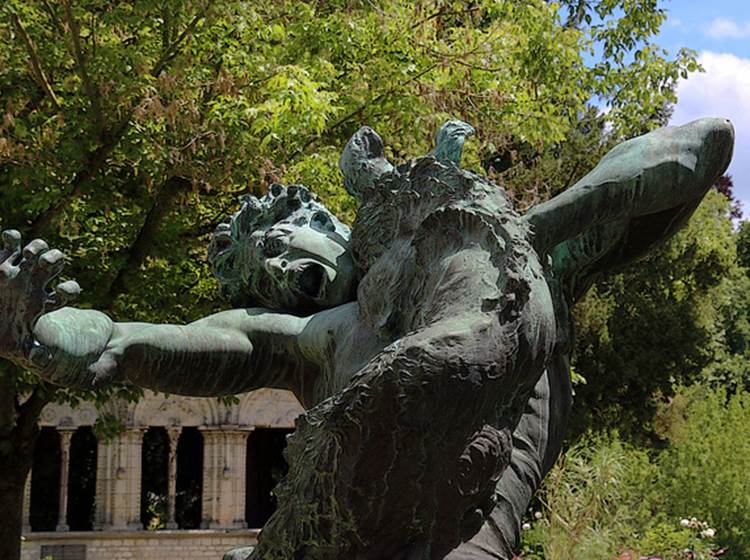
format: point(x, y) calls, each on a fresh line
point(605, 497)
point(706, 469)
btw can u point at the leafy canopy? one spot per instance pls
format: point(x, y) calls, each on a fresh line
point(128, 129)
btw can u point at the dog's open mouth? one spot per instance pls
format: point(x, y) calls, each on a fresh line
point(312, 281)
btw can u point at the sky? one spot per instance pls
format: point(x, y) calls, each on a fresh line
point(719, 30)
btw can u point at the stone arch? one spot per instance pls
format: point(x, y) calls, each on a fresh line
point(63, 415)
point(268, 408)
point(118, 408)
point(169, 410)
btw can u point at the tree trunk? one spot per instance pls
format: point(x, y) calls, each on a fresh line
point(13, 472)
point(19, 432)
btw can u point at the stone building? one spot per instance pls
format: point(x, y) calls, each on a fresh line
point(188, 478)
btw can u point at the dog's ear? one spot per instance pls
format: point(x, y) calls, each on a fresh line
point(449, 141)
point(363, 161)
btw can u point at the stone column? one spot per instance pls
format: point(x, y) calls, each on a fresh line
point(131, 476)
point(65, 436)
point(210, 497)
point(118, 484)
point(27, 505)
point(174, 438)
point(224, 452)
point(104, 490)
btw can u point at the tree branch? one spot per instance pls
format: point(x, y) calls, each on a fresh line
point(109, 138)
point(174, 49)
point(140, 247)
point(364, 106)
point(35, 98)
point(577, 14)
point(94, 161)
point(92, 92)
point(166, 28)
point(8, 401)
point(27, 426)
point(36, 63)
point(442, 12)
point(53, 17)
point(572, 175)
point(32, 407)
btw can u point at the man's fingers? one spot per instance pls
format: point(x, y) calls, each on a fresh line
point(105, 370)
point(39, 355)
point(11, 243)
point(11, 240)
point(65, 294)
point(68, 291)
point(51, 264)
point(33, 250)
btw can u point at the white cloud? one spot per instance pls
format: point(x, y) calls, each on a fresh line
point(676, 23)
point(723, 28)
point(723, 90)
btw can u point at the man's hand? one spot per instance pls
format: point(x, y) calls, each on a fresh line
point(24, 296)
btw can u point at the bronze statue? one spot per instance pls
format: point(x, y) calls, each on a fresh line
point(430, 346)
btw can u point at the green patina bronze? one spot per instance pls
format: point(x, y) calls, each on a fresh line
point(430, 345)
point(283, 251)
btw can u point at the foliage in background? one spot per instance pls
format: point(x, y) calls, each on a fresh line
point(590, 504)
point(128, 130)
point(704, 471)
point(606, 497)
point(678, 316)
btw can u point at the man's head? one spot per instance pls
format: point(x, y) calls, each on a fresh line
point(284, 251)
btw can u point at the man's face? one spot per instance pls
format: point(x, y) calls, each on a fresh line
point(284, 251)
point(306, 265)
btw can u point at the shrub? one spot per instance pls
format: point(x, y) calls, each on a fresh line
point(706, 469)
point(604, 500)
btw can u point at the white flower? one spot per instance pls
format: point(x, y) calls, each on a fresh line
point(537, 515)
point(684, 522)
point(708, 533)
point(526, 527)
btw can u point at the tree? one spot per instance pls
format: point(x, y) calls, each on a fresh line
point(725, 185)
point(676, 317)
point(129, 129)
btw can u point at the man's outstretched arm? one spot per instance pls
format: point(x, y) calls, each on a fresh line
point(641, 193)
point(228, 352)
